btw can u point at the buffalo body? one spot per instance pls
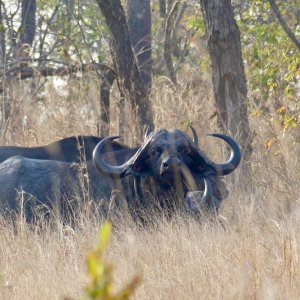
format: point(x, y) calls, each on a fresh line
point(31, 185)
point(69, 149)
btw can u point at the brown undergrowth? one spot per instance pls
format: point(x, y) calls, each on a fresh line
point(251, 250)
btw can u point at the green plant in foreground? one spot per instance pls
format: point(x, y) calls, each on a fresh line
point(100, 273)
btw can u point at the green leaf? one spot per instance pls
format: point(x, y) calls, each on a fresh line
point(104, 235)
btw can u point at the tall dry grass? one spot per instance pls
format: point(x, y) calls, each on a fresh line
point(251, 250)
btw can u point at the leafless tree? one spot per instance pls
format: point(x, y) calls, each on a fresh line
point(27, 30)
point(139, 24)
point(228, 75)
point(129, 80)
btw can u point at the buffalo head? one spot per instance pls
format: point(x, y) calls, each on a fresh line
point(172, 159)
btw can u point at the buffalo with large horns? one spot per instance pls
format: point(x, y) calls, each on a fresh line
point(167, 162)
point(171, 161)
point(41, 178)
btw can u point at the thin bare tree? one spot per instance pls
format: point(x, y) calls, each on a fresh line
point(283, 24)
point(129, 80)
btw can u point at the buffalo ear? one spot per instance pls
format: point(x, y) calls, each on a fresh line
point(198, 160)
point(201, 165)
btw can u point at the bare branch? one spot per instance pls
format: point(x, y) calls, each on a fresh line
point(43, 37)
point(105, 87)
point(180, 14)
point(282, 22)
point(167, 42)
point(25, 72)
point(2, 36)
point(162, 8)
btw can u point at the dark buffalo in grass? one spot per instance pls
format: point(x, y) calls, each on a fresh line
point(170, 161)
point(33, 186)
point(167, 171)
point(69, 149)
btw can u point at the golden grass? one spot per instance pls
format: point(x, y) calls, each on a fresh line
point(242, 254)
point(250, 251)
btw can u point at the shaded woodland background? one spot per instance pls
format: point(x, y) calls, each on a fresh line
point(46, 43)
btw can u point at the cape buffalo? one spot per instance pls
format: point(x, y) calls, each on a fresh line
point(69, 149)
point(34, 185)
point(38, 185)
point(171, 161)
point(167, 161)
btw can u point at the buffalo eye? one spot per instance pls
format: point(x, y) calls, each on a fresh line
point(182, 149)
point(155, 152)
point(136, 167)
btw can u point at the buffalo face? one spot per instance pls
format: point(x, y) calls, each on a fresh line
point(172, 159)
point(166, 155)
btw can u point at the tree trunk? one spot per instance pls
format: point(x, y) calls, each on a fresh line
point(128, 76)
point(69, 5)
point(162, 8)
point(28, 22)
point(4, 101)
point(228, 75)
point(2, 36)
point(108, 79)
point(139, 25)
point(167, 42)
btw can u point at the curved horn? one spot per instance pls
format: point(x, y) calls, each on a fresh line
point(133, 165)
point(190, 180)
point(207, 193)
point(101, 165)
point(231, 164)
point(194, 200)
point(195, 136)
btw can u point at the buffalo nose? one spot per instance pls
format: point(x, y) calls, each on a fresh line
point(171, 163)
